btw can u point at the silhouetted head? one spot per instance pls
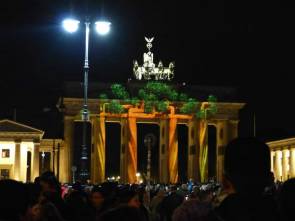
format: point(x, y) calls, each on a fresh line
point(287, 200)
point(97, 196)
point(49, 182)
point(129, 197)
point(247, 165)
point(14, 200)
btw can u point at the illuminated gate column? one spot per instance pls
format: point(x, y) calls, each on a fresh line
point(98, 149)
point(128, 156)
point(66, 154)
point(173, 151)
point(164, 139)
point(193, 151)
point(222, 131)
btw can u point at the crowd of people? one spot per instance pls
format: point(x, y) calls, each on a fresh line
point(247, 192)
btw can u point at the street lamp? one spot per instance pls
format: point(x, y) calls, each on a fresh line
point(102, 28)
point(149, 141)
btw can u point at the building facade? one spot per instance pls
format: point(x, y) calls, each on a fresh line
point(283, 158)
point(24, 154)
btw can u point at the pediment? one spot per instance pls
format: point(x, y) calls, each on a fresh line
point(9, 126)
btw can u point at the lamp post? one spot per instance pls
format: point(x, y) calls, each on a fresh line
point(102, 27)
point(149, 141)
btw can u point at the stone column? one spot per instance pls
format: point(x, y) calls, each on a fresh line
point(275, 169)
point(193, 151)
point(66, 154)
point(292, 162)
point(98, 150)
point(278, 165)
point(36, 161)
point(17, 161)
point(173, 151)
point(132, 150)
point(128, 156)
point(285, 162)
point(163, 151)
point(51, 160)
point(222, 140)
point(272, 154)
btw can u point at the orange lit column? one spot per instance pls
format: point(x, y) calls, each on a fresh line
point(203, 150)
point(132, 150)
point(98, 150)
point(173, 151)
point(128, 156)
point(193, 151)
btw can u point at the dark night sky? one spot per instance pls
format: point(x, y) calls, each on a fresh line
point(242, 44)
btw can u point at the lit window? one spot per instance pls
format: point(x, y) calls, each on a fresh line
point(5, 153)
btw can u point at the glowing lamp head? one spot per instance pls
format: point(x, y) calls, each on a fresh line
point(137, 174)
point(103, 27)
point(71, 25)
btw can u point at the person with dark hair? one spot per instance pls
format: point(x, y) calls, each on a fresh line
point(97, 200)
point(246, 174)
point(129, 197)
point(157, 200)
point(14, 200)
point(49, 182)
point(122, 213)
point(192, 210)
point(287, 200)
point(33, 211)
point(169, 204)
point(44, 211)
point(77, 207)
point(51, 191)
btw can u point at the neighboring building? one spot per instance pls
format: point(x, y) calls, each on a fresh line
point(283, 158)
point(24, 154)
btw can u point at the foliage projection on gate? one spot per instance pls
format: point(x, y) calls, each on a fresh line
point(158, 97)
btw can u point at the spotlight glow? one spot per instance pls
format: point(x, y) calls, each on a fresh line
point(71, 25)
point(103, 27)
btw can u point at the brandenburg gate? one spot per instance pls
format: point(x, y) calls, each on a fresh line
point(225, 120)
